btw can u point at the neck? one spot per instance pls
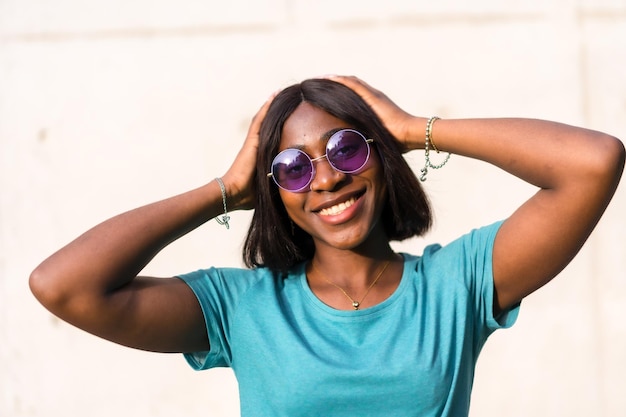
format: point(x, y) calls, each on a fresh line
point(351, 270)
point(353, 266)
point(354, 281)
point(348, 266)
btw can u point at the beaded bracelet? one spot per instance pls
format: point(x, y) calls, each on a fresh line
point(225, 217)
point(428, 142)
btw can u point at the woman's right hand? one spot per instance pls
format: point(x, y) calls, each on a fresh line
point(239, 179)
point(92, 282)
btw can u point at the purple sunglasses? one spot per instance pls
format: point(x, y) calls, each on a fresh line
point(347, 151)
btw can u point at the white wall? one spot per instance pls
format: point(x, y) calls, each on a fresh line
point(106, 105)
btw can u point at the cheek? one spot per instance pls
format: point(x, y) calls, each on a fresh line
point(293, 202)
point(378, 178)
point(374, 163)
point(376, 173)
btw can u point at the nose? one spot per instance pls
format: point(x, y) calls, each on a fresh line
point(325, 178)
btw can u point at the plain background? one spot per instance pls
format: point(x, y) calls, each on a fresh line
point(108, 104)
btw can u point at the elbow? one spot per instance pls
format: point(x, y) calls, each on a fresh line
point(621, 154)
point(43, 287)
point(607, 163)
point(616, 155)
point(39, 285)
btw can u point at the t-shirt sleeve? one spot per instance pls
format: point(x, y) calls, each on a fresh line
point(470, 258)
point(218, 292)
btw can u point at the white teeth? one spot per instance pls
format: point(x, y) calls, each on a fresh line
point(334, 210)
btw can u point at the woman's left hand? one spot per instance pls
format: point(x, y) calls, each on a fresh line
point(401, 124)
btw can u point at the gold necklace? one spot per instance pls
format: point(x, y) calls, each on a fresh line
point(355, 304)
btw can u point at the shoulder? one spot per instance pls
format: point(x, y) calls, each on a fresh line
point(461, 260)
point(227, 274)
point(476, 242)
point(460, 273)
point(229, 282)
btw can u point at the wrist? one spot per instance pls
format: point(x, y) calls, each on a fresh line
point(415, 134)
point(236, 196)
point(224, 218)
point(429, 144)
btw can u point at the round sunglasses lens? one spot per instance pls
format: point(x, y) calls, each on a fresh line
point(292, 170)
point(347, 151)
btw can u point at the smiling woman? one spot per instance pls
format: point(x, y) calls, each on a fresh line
point(406, 212)
point(327, 319)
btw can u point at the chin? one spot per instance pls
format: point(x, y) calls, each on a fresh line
point(347, 239)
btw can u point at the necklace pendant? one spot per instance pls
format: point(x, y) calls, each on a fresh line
point(356, 304)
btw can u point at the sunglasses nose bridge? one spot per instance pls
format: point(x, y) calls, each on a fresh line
point(319, 158)
point(325, 178)
point(314, 163)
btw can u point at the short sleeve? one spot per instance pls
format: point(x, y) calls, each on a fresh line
point(470, 258)
point(218, 292)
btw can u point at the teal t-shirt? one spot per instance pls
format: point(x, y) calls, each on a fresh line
point(412, 355)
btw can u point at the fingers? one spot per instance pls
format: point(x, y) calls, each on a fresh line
point(348, 80)
point(375, 98)
point(258, 118)
point(356, 84)
point(396, 120)
point(239, 179)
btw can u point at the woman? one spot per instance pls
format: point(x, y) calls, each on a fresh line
point(329, 320)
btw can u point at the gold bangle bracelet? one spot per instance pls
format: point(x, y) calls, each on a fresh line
point(428, 142)
point(429, 132)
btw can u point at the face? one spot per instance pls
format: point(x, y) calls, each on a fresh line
point(340, 210)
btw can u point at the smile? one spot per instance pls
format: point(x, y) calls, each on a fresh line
point(337, 209)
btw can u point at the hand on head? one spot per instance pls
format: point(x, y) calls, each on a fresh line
point(239, 179)
point(396, 120)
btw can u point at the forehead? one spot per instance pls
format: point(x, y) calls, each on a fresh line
point(309, 127)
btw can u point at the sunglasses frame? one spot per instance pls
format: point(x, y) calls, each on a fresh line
point(313, 160)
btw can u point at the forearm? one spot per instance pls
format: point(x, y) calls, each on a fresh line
point(112, 253)
point(545, 154)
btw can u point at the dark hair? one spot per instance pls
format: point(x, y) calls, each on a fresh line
point(273, 240)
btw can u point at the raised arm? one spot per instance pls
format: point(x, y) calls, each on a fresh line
point(577, 171)
point(92, 284)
